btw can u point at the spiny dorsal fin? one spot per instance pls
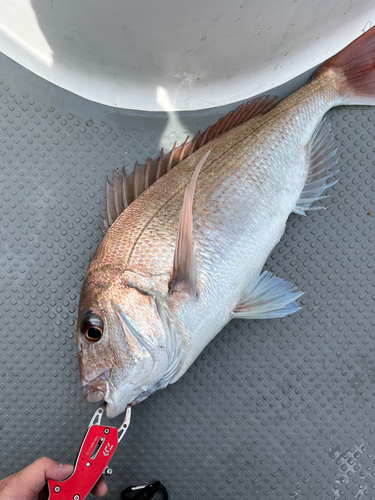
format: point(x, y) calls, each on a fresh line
point(128, 188)
point(184, 275)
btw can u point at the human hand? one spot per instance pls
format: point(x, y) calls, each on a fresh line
point(29, 483)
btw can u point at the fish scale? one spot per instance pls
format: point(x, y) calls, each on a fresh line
point(221, 198)
point(155, 317)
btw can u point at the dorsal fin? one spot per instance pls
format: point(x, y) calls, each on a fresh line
point(184, 274)
point(125, 189)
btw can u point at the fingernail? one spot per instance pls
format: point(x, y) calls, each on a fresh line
point(65, 466)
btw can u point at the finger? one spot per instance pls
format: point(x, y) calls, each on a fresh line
point(32, 478)
point(100, 489)
point(44, 494)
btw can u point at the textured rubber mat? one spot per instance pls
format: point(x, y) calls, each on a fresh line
point(271, 409)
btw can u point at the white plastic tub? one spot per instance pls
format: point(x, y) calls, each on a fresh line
point(173, 54)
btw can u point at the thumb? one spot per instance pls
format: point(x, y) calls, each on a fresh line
point(32, 479)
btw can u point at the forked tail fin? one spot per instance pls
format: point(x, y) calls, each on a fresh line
point(357, 64)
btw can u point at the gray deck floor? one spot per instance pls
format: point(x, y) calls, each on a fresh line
point(281, 409)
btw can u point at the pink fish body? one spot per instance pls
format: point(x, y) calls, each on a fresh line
point(186, 256)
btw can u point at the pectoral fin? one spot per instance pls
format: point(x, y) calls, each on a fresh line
point(184, 275)
point(267, 297)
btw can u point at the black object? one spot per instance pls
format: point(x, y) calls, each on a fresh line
point(144, 492)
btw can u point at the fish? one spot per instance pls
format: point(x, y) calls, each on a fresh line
point(188, 233)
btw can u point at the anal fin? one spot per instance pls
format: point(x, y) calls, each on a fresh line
point(322, 160)
point(267, 296)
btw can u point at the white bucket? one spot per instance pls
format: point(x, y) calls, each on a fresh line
point(163, 55)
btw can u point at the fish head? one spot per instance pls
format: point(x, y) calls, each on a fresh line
point(124, 345)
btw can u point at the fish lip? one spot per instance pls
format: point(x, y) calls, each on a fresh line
point(97, 388)
point(90, 389)
point(114, 407)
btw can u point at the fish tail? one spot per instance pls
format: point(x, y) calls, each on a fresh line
point(356, 63)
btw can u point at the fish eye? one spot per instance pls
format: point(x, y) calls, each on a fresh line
point(92, 327)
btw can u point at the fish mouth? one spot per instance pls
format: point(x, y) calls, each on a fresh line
point(98, 388)
point(118, 400)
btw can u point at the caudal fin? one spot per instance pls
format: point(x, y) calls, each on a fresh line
point(357, 64)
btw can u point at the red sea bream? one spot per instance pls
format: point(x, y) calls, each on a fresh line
point(189, 234)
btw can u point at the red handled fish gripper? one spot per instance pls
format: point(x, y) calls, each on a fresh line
point(96, 450)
